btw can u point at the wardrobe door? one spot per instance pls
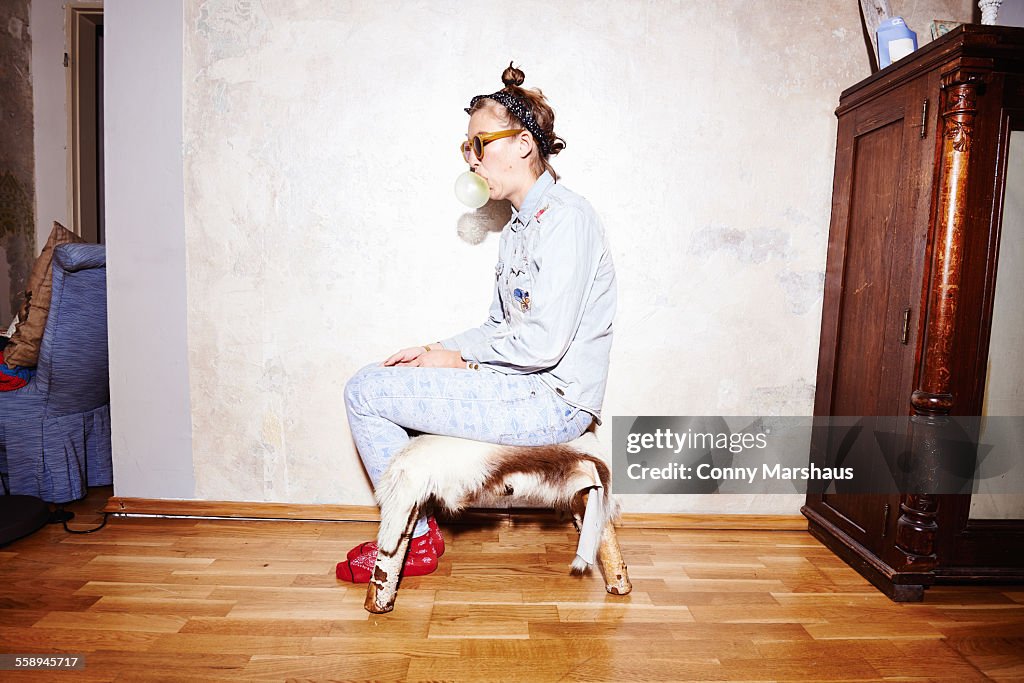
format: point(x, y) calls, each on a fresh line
point(872, 301)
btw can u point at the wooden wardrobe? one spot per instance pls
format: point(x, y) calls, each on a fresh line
point(917, 209)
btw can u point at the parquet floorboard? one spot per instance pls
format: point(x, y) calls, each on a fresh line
point(150, 599)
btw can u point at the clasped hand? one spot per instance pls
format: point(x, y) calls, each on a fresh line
point(419, 357)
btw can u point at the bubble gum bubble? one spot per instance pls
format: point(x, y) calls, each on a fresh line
point(472, 190)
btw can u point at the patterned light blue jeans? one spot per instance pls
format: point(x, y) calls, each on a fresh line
point(385, 403)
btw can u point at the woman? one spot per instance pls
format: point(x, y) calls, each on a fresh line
point(534, 372)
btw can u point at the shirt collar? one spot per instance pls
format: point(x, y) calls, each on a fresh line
point(532, 202)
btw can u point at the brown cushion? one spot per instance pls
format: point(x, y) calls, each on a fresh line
point(23, 349)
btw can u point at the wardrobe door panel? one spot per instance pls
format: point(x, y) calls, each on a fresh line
point(864, 299)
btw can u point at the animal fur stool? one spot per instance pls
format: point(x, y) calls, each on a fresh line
point(455, 473)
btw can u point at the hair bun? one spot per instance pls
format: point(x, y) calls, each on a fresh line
point(512, 76)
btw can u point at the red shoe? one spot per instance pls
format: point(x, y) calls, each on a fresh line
point(421, 560)
point(435, 535)
point(371, 546)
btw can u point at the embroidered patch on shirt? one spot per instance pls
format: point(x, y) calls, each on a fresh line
point(540, 213)
point(523, 297)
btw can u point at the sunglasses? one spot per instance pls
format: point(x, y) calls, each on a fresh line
point(478, 142)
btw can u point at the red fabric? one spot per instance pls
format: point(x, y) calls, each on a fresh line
point(434, 533)
point(421, 560)
point(11, 380)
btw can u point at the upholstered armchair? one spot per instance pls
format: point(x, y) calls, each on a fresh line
point(55, 431)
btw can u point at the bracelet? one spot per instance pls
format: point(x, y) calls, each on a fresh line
point(470, 365)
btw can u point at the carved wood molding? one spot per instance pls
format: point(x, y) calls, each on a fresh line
point(960, 110)
point(916, 530)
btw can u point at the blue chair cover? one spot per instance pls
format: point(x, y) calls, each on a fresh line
point(55, 431)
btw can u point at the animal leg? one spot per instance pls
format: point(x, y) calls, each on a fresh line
point(609, 555)
point(613, 567)
point(383, 587)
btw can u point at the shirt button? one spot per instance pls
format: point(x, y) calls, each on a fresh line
point(559, 392)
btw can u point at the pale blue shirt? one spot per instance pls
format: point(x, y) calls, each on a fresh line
point(554, 298)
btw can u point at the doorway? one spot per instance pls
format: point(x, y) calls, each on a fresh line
point(84, 59)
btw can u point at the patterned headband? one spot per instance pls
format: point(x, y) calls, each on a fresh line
point(517, 108)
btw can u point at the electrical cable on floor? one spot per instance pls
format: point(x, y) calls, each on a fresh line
point(61, 515)
point(106, 516)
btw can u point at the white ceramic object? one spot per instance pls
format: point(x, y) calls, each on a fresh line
point(989, 11)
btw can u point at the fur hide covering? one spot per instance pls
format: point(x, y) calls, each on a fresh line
point(454, 473)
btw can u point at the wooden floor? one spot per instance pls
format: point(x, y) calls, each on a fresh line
point(192, 599)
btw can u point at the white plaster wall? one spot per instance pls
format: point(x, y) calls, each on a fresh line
point(149, 390)
point(1011, 13)
point(322, 233)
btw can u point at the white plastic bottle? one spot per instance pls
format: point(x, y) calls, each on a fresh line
point(895, 41)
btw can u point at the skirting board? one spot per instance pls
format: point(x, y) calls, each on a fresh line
point(366, 513)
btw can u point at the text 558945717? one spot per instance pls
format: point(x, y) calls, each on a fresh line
point(19, 662)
